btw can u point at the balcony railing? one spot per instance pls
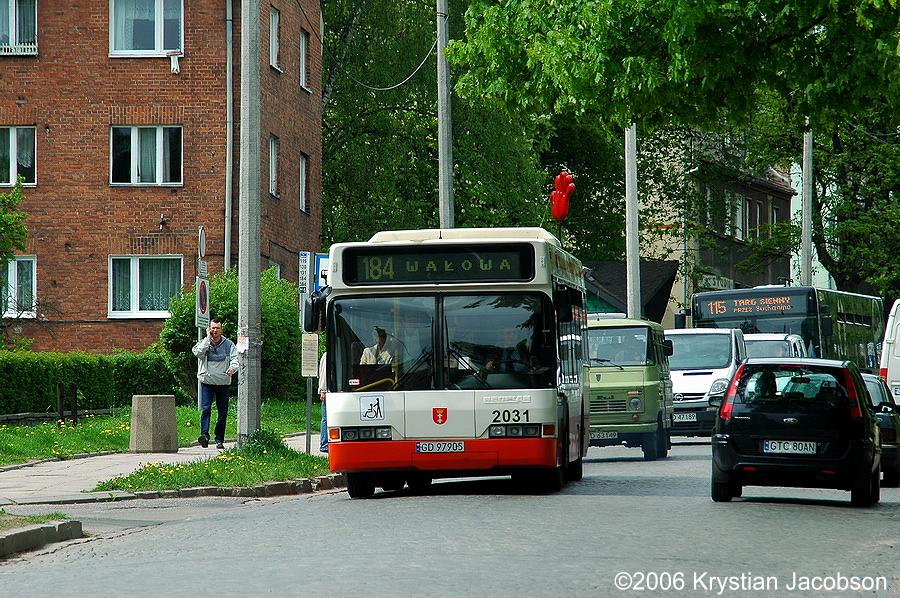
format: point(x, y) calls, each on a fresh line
point(18, 49)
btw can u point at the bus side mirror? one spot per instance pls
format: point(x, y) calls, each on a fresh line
point(314, 314)
point(827, 326)
point(668, 349)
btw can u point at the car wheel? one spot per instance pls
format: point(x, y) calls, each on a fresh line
point(867, 490)
point(392, 484)
point(575, 469)
point(876, 486)
point(720, 486)
point(737, 489)
point(360, 485)
point(650, 446)
point(662, 441)
point(892, 478)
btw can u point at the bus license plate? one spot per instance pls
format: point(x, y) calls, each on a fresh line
point(791, 447)
point(440, 447)
point(604, 435)
point(685, 417)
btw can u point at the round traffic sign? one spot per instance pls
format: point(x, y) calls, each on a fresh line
point(202, 297)
point(201, 242)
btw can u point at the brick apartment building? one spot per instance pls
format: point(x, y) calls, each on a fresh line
point(124, 149)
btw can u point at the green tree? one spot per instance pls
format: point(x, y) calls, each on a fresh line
point(13, 232)
point(280, 334)
point(651, 61)
point(380, 147)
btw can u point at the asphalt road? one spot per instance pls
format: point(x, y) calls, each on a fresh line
point(632, 523)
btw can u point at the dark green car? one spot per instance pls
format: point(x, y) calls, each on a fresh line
point(889, 423)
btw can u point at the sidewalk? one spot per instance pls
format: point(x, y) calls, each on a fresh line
point(61, 482)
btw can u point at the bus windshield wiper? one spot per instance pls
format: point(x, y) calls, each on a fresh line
point(606, 361)
point(423, 359)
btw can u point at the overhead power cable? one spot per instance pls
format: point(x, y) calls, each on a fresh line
point(348, 75)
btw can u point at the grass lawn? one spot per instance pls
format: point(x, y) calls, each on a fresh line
point(19, 443)
point(9, 522)
point(264, 458)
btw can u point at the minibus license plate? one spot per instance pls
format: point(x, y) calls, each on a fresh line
point(685, 417)
point(791, 447)
point(440, 447)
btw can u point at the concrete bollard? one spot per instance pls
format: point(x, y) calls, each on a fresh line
point(154, 427)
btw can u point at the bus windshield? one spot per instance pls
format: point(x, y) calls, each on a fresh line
point(407, 342)
point(618, 346)
point(700, 351)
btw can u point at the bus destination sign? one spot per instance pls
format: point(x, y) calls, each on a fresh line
point(749, 306)
point(462, 263)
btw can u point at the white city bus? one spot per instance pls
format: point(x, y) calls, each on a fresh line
point(451, 353)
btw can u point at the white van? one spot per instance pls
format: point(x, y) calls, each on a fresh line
point(702, 360)
point(775, 345)
point(890, 351)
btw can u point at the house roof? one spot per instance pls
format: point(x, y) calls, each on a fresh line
point(607, 280)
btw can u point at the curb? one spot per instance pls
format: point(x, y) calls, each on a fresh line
point(286, 488)
point(35, 536)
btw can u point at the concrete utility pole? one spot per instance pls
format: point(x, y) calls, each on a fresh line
point(445, 132)
point(249, 349)
point(632, 241)
point(806, 209)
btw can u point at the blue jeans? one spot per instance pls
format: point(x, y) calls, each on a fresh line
point(323, 431)
point(220, 392)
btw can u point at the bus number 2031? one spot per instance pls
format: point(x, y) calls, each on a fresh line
point(509, 415)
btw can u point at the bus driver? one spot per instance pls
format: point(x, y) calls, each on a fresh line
point(376, 354)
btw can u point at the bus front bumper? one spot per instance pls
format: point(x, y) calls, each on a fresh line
point(477, 455)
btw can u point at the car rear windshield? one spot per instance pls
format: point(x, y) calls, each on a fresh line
point(768, 348)
point(811, 386)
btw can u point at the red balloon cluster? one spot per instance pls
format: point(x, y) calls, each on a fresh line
point(559, 197)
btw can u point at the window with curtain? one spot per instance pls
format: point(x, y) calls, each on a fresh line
point(143, 286)
point(18, 142)
point(274, 26)
point(146, 26)
point(304, 169)
point(146, 155)
point(304, 57)
point(18, 26)
point(273, 165)
point(18, 287)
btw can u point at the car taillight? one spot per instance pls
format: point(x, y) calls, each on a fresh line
point(883, 372)
point(855, 407)
point(730, 394)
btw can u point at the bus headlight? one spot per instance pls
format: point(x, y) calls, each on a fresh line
point(383, 433)
point(497, 431)
point(636, 404)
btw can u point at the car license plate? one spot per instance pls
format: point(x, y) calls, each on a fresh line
point(685, 417)
point(441, 447)
point(789, 447)
point(604, 435)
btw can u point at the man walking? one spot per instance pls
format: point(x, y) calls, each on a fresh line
point(217, 361)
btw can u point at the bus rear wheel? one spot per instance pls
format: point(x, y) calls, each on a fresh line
point(360, 485)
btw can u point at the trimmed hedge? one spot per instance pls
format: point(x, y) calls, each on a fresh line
point(28, 381)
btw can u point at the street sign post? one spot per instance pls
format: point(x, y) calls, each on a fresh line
point(309, 352)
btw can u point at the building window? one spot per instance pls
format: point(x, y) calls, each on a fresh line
point(759, 215)
point(18, 27)
point(273, 165)
point(143, 286)
point(776, 216)
point(304, 57)
point(146, 27)
point(17, 155)
point(18, 288)
point(740, 216)
point(274, 26)
point(145, 156)
point(304, 188)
